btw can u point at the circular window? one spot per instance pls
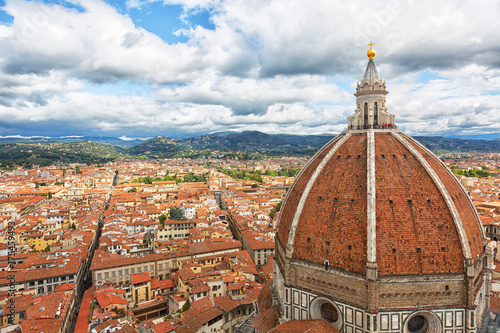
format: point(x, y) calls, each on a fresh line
point(329, 312)
point(423, 322)
point(322, 307)
point(418, 324)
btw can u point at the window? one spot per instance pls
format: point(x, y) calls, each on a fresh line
point(152, 268)
point(132, 271)
point(49, 289)
point(329, 312)
point(145, 268)
point(160, 267)
point(120, 272)
point(126, 271)
point(113, 274)
point(138, 270)
point(418, 324)
point(99, 277)
point(106, 275)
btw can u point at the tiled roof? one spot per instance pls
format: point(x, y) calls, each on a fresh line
point(140, 277)
point(41, 325)
point(416, 231)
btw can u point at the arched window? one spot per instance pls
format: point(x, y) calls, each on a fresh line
point(366, 114)
point(375, 114)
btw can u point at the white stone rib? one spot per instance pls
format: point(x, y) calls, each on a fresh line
point(300, 174)
point(444, 192)
point(312, 180)
point(478, 219)
point(371, 206)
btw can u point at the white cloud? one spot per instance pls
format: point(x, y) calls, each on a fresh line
point(276, 66)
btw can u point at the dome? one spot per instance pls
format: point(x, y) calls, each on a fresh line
point(380, 196)
point(377, 234)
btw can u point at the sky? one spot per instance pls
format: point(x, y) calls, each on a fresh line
point(142, 68)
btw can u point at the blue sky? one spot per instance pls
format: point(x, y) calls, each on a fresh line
point(141, 68)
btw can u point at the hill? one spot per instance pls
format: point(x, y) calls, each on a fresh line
point(440, 144)
point(118, 142)
point(51, 152)
point(245, 145)
point(254, 144)
point(249, 144)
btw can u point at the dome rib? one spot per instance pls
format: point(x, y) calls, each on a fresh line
point(297, 189)
point(444, 192)
point(475, 234)
point(371, 221)
point(310, 183)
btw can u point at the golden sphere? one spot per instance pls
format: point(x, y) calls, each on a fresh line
point(370, 54)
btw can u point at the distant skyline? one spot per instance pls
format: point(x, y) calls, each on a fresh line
point(142, 68)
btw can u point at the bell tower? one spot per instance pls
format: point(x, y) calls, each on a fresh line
point(371, 111)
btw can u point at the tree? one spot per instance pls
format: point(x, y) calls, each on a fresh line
point(255, 185)
point(162, 219)
point(50, 195)
point(73, 226)
point(176, 213)
point(47, 248)
point(272, 214)
point(186, 306)
point(37, 185)
point(132, 190)
point(278, 206)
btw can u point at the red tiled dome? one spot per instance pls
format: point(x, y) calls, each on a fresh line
point(421, 219)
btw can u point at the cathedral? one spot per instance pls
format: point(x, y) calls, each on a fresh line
point(377, 235)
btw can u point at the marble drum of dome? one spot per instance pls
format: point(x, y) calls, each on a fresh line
point(377, 235)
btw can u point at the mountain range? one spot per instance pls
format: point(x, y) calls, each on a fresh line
point(246, 144)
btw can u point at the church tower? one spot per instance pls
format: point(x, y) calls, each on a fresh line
point(376, 234)
point(371, 111)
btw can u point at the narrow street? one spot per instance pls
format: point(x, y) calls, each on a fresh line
point(86, 282)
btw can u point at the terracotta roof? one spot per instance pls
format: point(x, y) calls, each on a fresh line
point(168, 283)
point(163, 327)
point(415, 229)
point(105, 300)
point(495, 304)
point(47, 306)
point(140, 277)
point(82, 321)
point(66, 286)
point(41, 325)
